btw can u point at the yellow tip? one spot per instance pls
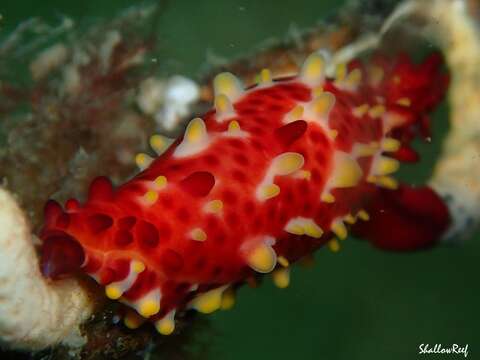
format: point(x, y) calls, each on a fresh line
point(214, 206)
point(283, 261)
point(262, 259)
point(390, 144)
point(270, 191)
point(151, 197)
point(228, 299)
point(334, 245)
point(341, 72)
point(353, 79)
point(265, 76)
point(404, 101)
point(138, 266)
point(339, 229)
point(387, 182)
point(363, 215)
point(113, 292)
point(313, 230)
point(313, 70)
point(377, 111)
point(223, 104)
point(347, 171)
point(328, 198)
point(165, 326)
point(296, 113)
point(281, 277)
point(366, 149)
point(196, 131)
point(386, 166)
point(227, 84)
point(287, 163)
point(323, 104)
point(148, 308)
point(209, 301)
point(361, 110)
point(233, 126)
point(160, 182)
point(143, 160)
point(350, 219)
point(294, 228)
point(159, 143)
point(132, 320)
point(199, 235)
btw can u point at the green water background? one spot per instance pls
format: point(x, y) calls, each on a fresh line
point(360, 303)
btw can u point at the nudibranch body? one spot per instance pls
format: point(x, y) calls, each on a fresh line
point(271, 174)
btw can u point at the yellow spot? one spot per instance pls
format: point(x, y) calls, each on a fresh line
point(270, 191)
point(143, 161)
point(281, 277)
point(233, 126)
point(198, 234)
point(339, 229)
point(159, 143)
point(262, 259)
point(228, 299)
point(334, 245)
point(366, 149)
point(223, 104)
point(283, 261)
point(317, 91)
point(148, 307)
point(350, 219)
point(377, 111)
point(333, 133)
point(390, 144)
point(151, 196)
point(160, 182)
point(347, 171)
point(375, 75)
point(196, 131)
point(132, 320)
point(361, 110)
point(328, 198)
point(341, 72)
point(138, 266)
point(227, 84)
point(404, 101)
point(209, 301)
point(165, 326)
point(396, 80)
point(313, 230)
point(354, 78)
point(214, 206)
point(265, 76)
point(313, 70)
point(385, 166)
point(294, 228)
point(295, 114)
point(287, 163)
point(363, 215)
point(323, 104)
point(303, 174)
point(113, 292)
point(387, 182)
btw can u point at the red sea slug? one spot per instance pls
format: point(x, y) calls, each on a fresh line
point(267, 177)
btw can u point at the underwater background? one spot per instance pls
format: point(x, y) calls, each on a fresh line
point(359, 303)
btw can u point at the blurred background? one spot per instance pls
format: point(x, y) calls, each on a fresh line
point(359, 303)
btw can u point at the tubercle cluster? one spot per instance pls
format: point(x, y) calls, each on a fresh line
point(269, 175)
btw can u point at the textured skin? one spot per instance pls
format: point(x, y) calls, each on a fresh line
point(190, 243)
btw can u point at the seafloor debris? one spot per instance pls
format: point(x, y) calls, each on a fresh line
point(83, 105)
